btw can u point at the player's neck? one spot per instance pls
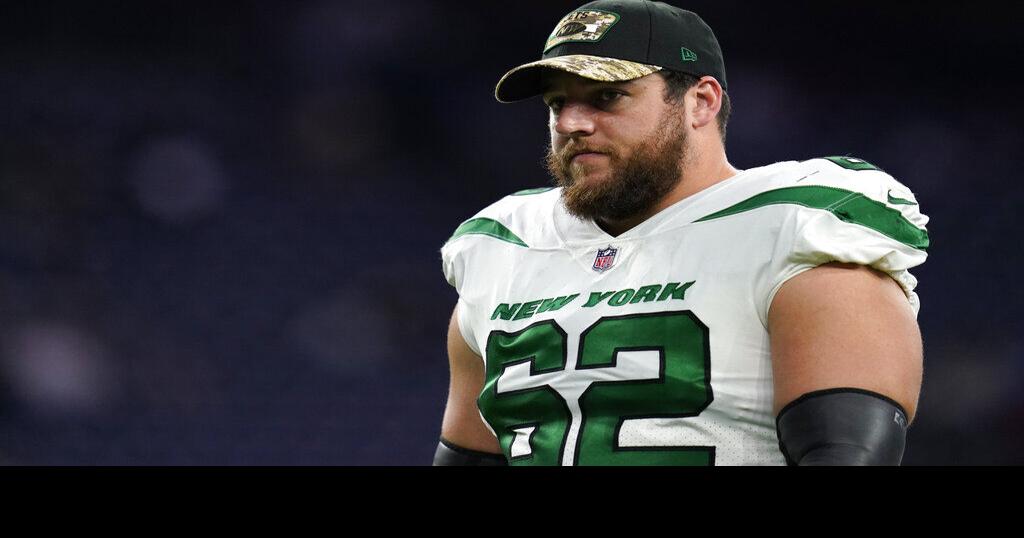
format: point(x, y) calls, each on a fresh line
point(694, 179)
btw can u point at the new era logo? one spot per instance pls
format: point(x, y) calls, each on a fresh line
point(688, 55)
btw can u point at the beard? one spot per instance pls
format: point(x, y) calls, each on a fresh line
point(633, 185)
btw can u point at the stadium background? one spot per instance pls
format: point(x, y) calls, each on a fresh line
point(219, 223)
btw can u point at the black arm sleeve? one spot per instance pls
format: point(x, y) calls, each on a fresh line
point(451, 454)
point(842, 427)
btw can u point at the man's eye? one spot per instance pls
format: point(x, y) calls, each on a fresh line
point(607, 96)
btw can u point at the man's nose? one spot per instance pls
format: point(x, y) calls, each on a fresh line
point(575, 119)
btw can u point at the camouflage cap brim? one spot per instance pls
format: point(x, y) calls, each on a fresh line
point(526, 81)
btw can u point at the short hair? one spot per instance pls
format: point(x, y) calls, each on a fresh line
point(678, 83)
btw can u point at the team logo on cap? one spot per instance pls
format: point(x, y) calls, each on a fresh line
point(588, 25)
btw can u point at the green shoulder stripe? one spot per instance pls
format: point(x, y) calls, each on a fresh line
point(846, 205)
point(852, 163)
point(532, 191)
point(489, 227)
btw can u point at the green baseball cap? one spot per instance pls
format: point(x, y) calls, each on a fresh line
point(618, 40)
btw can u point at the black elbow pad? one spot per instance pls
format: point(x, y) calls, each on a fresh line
point(842, 427)
point(451, 454)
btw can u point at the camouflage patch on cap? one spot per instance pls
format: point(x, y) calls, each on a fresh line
point(598, 68)
point(592, 67)
point(587, 25)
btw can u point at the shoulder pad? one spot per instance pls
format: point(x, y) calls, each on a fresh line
point(523, 218)
point(520, 220)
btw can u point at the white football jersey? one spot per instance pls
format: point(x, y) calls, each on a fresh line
point(651, 348)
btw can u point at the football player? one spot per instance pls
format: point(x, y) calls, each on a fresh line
point(660, 306)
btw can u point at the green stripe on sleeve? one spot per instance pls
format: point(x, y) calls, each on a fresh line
point(489, 227)
point(532, 191)
point(853, 163)
point(846, 205)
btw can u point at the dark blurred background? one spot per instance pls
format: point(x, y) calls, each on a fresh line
point(220, 222)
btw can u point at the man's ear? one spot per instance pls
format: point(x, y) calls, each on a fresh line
point(706, 98)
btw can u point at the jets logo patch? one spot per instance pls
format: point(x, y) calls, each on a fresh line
point(585, 25)
point(605, 259)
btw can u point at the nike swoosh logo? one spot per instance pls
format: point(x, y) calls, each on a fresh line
point(900, 201)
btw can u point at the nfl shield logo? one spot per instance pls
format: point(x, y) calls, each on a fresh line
point(605, 259)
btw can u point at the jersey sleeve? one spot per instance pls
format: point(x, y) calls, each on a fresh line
point(849, 215)
point(482, 244)
point(453, 263)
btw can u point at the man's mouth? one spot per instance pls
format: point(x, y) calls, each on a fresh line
point(586, 156)
point(583, 156)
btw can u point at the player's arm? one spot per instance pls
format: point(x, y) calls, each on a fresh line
point(465, 440)
point(847, 363)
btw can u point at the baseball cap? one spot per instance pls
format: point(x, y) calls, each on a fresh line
point(618, 40)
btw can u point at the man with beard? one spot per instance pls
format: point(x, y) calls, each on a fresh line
point(661, 307)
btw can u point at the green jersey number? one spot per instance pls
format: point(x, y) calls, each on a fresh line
point(641, 366)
